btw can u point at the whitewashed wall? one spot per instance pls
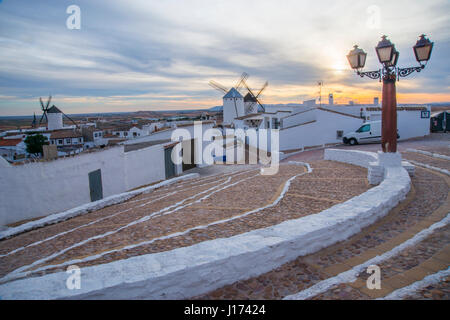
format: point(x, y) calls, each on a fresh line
point(299, 118)
point(410, 124)
point(39, 189)
point(321, 132)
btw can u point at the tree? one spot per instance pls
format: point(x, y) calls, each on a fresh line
point(34, 144)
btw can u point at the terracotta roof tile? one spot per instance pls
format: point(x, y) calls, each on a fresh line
point(9, 142)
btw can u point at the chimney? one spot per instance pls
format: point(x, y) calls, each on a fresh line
point(330, 99)
point(375, 101)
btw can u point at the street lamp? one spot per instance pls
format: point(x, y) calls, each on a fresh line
point(389, 73)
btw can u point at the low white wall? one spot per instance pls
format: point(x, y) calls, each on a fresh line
point(355, 157)
point(194, 270)
point(370, 160)
point(38, 189)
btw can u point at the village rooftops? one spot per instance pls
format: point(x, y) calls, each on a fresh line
point(9, 142)
point(61, 134)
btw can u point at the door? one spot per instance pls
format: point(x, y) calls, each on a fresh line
point(363, 133)
point(95, 185)
point(169, 165)
point(188, 154)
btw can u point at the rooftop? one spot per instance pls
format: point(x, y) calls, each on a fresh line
point(233, 93)
point(54, 109)
point(9, 142)
point(61, 134)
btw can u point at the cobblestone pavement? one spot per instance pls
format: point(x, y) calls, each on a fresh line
point(167, 218)
point(440, 291)
point(432, 161)
point(430, 193)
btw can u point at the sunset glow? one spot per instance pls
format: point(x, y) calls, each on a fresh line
point(160, 55)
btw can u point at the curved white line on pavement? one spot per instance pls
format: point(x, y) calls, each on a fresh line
point(103, 218)
point(420, 164)
point(195, 185)
point(352, 274)
point(407, 291)
point(20, 270)
point(431, 154)
point(88, 207)
point(20, 273)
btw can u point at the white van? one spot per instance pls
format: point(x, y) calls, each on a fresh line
point(368, 132)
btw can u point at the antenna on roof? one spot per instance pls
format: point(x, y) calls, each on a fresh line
point(320, 84)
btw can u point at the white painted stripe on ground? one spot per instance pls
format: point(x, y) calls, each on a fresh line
point(88, 207)
point(430, 167)
point(351, 275)
point(106, 217)
point(21, 273)
point(143, 219)
point(431, 154)
point(407, 291)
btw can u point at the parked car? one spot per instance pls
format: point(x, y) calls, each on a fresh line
point(368, 132)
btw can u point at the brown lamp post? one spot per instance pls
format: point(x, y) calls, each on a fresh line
point(389, 73)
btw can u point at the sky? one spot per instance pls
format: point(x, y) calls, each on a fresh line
point(160, 55)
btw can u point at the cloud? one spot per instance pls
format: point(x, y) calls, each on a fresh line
point(161, 54)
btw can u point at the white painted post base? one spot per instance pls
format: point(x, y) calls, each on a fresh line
point(390, 159)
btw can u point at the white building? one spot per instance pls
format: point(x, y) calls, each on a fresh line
point(12, 149)
point(309, 125)
point(233, 106)
point(55, 120)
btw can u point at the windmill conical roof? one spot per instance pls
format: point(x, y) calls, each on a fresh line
point(249, 98)
point(54, 109)
point(233, 93)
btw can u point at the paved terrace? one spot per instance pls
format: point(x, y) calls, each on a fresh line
point(427, 205)
point(237, 200)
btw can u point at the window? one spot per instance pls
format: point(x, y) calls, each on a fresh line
point(275, 123)
point(364, 128)
point(339, 134)
point(125, 133)
point(68, 141)
point(80, 140)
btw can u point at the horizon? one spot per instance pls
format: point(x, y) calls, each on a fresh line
point(160, 56)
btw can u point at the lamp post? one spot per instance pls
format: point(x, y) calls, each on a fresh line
point(389, 73)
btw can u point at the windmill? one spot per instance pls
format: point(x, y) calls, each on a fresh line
point(54, 110)
point(34, 122)
point(44, 109)
point(232, 93)
point(252, 99)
